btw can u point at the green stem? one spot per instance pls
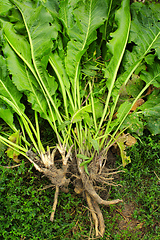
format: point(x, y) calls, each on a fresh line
point(38, 134)
point(13, 145)
point(109, 122)
point(64, 88)
point(76, 84)
point(23, 132)
point(93, 108)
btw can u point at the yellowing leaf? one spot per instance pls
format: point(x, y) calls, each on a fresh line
point(121, 144)
point(125, 159)
point(138, 103)
point(130, 140)
point(11, 153)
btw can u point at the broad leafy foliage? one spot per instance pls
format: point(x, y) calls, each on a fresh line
point(51, 52)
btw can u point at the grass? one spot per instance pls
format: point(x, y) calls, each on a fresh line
point(140, 192)
point(25, 207)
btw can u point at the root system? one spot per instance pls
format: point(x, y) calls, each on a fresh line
point(67, 168)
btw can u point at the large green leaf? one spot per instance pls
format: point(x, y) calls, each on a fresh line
point(118, 43)
point(34, 50)
point(89, 15)
point(133, 123)
point(116, 48)
point(66, 14)
point(151, 112)
point(10, 97)
point(38, 23)
point(150, 109)
point(144, 38)
point(58, 67)
point(25, 81)
point(6, 112)
point(52, 6)
point(123, 111)
point(40, 33)
point(152, 75)
point(18, 43)
point(81, 24)
point(5, 7)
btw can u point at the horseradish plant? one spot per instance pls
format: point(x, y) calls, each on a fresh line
point(89, 71)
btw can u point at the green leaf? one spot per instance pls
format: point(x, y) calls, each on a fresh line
point(152, 75)
point(52, 6)
point(63, 125)
point(133, 123)
point(40, 35)
point(29, 85)
point(85, 18)
point(125, 159)
point(82, 156)
point(86, 169)
point(2, 149)
point(85, 163)
point(18, 43)
point(150, 58)
point(144, 38)
point(5, 7)
point(116, 48)
point(151, 111)
point(95, 144)
point(79, 115)
point(11, 153)
point(118, 43)
point(134, 86)
point(122, 112)
point(6, 112)
point(11, 95)
point(87, 119)
point(59, 69)
point(7, 115)
point(34, 51)
point(82, 113)
point(98, 108)
point(88, 15)
point(40, 31)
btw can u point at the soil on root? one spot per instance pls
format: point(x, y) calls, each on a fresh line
point(63, 169)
